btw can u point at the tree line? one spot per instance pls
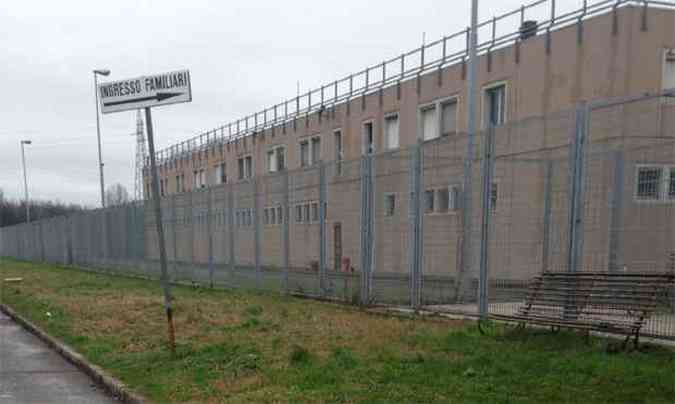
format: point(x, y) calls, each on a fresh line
point(13, 211)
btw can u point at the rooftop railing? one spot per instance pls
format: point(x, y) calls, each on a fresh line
point(495, 33)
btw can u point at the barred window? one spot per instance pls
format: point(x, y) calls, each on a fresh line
point(443, 199)
point(315, 211)
point(306, 216)
point(649, 183)
point(429, 201)
point(389, 205)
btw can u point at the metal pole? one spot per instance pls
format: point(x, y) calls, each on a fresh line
point(415, 246)
point(366, 229)
point(615, 258)
point(230, 231)
point(209, 230)
point(98, 136)
point(548, 190)
point(25, 178)
point(322, 229)
point(160, 232)
point(257, 235)
point(468, 160)
point(577, 194)
point(286, 230)
point(488, 156)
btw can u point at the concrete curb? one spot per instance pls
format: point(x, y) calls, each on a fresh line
point(113, 386)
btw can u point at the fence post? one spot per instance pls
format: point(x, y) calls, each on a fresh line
point(548, 190)
point(106, 239)
point(286, 230)
point(483, 276)
point(209, 230)
point(366, 228)
point(616, 224)
point(322, 229)
point(69, 241)
point(575, 249)
point(415, 244)
point(174, 231)
point(230, 229)
point(192, 232)
point(42, 240)
point(257, 235)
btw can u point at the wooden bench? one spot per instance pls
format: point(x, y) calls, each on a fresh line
point(617, 303)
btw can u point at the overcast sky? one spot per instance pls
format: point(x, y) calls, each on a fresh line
point(243, 56)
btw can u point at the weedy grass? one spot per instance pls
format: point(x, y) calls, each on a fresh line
point(242, 346)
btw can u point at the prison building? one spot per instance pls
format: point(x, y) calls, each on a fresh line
point(248, 194)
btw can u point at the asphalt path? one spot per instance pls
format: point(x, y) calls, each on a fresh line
point(30, 372)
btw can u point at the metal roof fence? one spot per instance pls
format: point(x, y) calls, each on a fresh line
point(495, 33)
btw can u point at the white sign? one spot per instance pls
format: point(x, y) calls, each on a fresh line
point(145, 91)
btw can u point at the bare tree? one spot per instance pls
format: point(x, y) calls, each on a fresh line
point(116, 195)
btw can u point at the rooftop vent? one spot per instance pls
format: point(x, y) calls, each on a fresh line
point(528, 29)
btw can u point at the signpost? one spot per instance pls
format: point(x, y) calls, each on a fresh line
point(147, 92)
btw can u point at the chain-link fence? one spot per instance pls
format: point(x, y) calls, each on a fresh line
point(425, 226)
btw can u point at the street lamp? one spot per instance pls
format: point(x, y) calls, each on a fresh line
point(25, 178)
point(102, 72)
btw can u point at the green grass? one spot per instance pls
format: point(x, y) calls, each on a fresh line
point(236, 346)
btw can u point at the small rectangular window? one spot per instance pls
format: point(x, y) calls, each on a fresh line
point(429, 201)
point(337, 137)
point(449, 118)
point(368, 138)
point(271, 161)
point(306, 216)
point(240, 164)
point(453, 196)
point(649, 183)
point(273, 216)
point(316, 150)
point(668, 79)
point(671, 184)
point(223, 174)
point(315, 211)
point(389, 205)
point(298, 213)
point(429, 123)
point(249, 217)
point(443, 197)
point(267, 217)
point(495, 105)
point(281, 158)
point(391, 131)
point(249, 166)
point(280, 215)
point(304, 154)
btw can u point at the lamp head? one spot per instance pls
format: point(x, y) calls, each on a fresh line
point(26, 142)
point(102, 72)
